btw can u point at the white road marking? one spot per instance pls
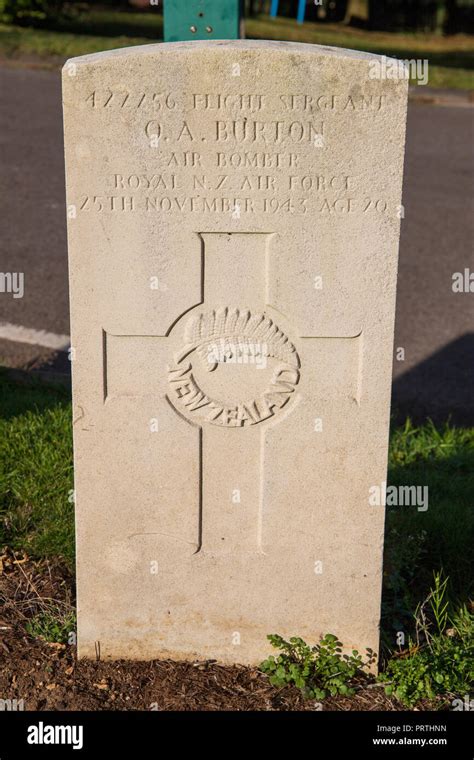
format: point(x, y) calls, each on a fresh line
point(20, 334)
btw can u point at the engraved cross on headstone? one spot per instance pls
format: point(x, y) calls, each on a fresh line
point(230, 367)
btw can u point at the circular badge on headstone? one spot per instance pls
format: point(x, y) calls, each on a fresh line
point(236, 369)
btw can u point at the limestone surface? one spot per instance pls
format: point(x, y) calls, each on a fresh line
point(233, 226)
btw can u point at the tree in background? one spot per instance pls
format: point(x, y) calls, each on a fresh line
point(254, 7)
point(30, 11)
point(459, 16)
point(450, 16)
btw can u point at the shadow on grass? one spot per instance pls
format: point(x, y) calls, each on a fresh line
point(118, 23)
point(20, 392)
point(419, 541)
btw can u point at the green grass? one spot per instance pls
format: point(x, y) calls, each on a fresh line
point(441, 538)
point(451, 58)
point(36, 476)
point(55, 623)
point(16, 41)
point(437, 662)
point(443, 460)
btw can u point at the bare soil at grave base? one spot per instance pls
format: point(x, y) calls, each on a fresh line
point(47, 676)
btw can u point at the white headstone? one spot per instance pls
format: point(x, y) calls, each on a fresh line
point(233, 216)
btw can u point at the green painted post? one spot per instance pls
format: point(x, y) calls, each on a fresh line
point(202, 20)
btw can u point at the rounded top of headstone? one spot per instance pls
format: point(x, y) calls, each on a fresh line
point(258, 46)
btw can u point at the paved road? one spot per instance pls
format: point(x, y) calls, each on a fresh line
point(434, 326)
